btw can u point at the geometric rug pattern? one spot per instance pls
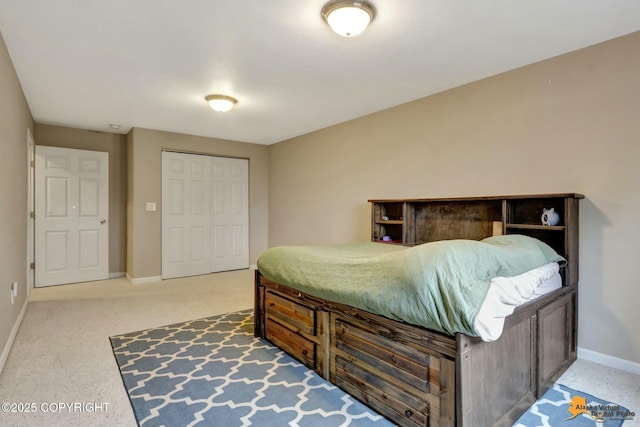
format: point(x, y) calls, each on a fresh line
point(562, 406)
point(214, 372)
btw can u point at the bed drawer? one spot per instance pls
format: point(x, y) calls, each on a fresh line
point(393, 402)
point(296, 345)
point(292, 327)
point(297, 317)
point(391, 377)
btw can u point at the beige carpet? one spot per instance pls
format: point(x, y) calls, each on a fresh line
point(62, 352)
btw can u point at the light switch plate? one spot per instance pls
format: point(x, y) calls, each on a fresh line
point(151, 206)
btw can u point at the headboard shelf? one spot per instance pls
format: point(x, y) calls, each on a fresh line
point(416, 221)
point(536, 227)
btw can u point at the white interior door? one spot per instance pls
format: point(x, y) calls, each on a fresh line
point(185, 215)
point(205, 214)
point(71, 216)
point(230, 213)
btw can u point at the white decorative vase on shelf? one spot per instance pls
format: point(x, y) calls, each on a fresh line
point(550, 217)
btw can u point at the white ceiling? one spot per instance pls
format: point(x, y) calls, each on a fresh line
point(150, 63)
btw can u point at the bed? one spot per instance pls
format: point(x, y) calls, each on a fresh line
point(341, 312)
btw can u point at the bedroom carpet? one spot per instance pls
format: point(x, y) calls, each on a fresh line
point(214, 372)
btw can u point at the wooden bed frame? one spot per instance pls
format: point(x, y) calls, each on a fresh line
point(419, 377)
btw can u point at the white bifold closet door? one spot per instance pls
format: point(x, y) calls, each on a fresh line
point(205, 214)
point(186, 215)
point(229, 214)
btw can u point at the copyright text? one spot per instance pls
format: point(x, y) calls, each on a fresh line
point(54, 407)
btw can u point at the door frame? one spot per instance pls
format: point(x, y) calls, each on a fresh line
point(31, 235)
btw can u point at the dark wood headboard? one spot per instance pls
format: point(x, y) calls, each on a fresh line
point(417, 221)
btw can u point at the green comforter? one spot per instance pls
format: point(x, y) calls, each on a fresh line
point(439, 285)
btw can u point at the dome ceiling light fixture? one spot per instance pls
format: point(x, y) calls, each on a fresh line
point(348, 18)
point(221, 103)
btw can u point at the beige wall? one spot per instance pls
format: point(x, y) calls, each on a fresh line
point(15, 119)
point(144, 244)
point(115, 145)
point(568, 124)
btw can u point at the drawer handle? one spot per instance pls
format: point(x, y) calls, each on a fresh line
point(408, 413)
point(305, 351)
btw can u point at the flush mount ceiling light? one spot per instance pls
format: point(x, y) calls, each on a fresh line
point(348, 18)
point(222, 103)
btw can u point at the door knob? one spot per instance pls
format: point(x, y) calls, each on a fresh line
point(104, 221)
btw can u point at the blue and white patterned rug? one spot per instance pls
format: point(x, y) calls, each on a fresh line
point(214, 372)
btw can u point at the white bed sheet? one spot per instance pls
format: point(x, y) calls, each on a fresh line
point(507, 293)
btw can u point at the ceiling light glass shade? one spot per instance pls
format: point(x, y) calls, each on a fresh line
point(348, 18)
point(221, 103)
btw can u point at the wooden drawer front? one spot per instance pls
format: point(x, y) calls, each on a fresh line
point(389, 376)
point(294, 344)
point(402, 407)
point(290, 313)
point(397, 361)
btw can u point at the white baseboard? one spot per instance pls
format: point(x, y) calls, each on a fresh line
point(610, 361)
point(116, 275)
point(140, 280)
point(12, 335)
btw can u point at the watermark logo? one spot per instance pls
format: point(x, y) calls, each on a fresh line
point(599, 413)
